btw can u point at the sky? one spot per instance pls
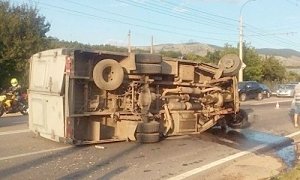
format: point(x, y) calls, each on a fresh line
point(266, 23)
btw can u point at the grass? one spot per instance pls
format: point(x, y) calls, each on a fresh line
point(293, 174)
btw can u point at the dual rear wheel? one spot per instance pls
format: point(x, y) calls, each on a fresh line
point(147, 132)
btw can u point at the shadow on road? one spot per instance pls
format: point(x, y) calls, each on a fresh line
point(39, 161)
point(84, 172)
point(13, 120)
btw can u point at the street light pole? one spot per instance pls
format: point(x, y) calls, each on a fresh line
point(241, 49)
point(241, 42)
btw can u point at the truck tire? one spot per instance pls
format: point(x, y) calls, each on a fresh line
point(148, 58)
point(148, 68)
point(239, 120)
point(147, 138)
point(231, 64)
point(108, 74)
point(151, 127)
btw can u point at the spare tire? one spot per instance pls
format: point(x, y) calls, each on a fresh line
point(108, 74)
point(148, 58)
point(231, 64)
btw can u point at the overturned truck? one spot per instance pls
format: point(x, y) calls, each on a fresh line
point(83, 97)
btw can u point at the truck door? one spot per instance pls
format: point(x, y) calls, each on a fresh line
point(46, 111)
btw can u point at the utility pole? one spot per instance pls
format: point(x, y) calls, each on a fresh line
point(151, 49)
point(241, 42)
point(129, 43)
point(241, 49)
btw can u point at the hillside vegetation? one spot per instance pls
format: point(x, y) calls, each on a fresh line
point(288, 57)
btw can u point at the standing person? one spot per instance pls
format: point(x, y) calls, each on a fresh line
point(297, 104)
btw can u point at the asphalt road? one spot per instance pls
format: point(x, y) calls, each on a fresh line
point(26, 156)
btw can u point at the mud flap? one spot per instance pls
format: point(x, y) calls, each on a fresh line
point(126, 129)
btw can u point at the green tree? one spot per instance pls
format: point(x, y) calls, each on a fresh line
point(213, 57)
point(22, 33)
point(292, 76)
point(273, 70)
point(194, 57)
point(172, 54)
point(253, 70)
point(229, 49)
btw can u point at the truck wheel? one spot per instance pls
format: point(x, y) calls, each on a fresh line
point(231, 64)
point(148, 58)
point(148, 68)
point(239, 120)
point(108, 74)
point(243, 97)
point(147, 138)
point(151, 127)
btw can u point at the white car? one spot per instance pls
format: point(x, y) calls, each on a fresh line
point(286, 90)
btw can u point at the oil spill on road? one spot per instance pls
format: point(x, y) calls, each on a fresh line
point(246, 139)
point(283, 146)
point(288, 155)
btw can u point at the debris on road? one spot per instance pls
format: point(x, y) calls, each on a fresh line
point(100, 147)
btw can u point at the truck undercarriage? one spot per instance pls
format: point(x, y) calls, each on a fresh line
point(113, 96)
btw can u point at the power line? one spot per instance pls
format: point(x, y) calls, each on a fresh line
point(126, 23)
point(172, 15)
point(293, 3)
point(274, 34)
point(142, 20)
point(261, 32)
point(286, 42)
point(187, 14)
point(203, 12)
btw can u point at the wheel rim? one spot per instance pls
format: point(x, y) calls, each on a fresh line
point(108, 74)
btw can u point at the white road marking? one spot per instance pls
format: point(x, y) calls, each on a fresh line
point(255, 103)
point(14, 132)
point(224, 160)
point(281, 101)
point(33, 153)
point(293, 134)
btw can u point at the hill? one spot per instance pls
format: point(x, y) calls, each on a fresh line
point(288, 57)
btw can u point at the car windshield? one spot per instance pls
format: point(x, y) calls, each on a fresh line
point(263, 86)
point(241, 85)
point(287, 86)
